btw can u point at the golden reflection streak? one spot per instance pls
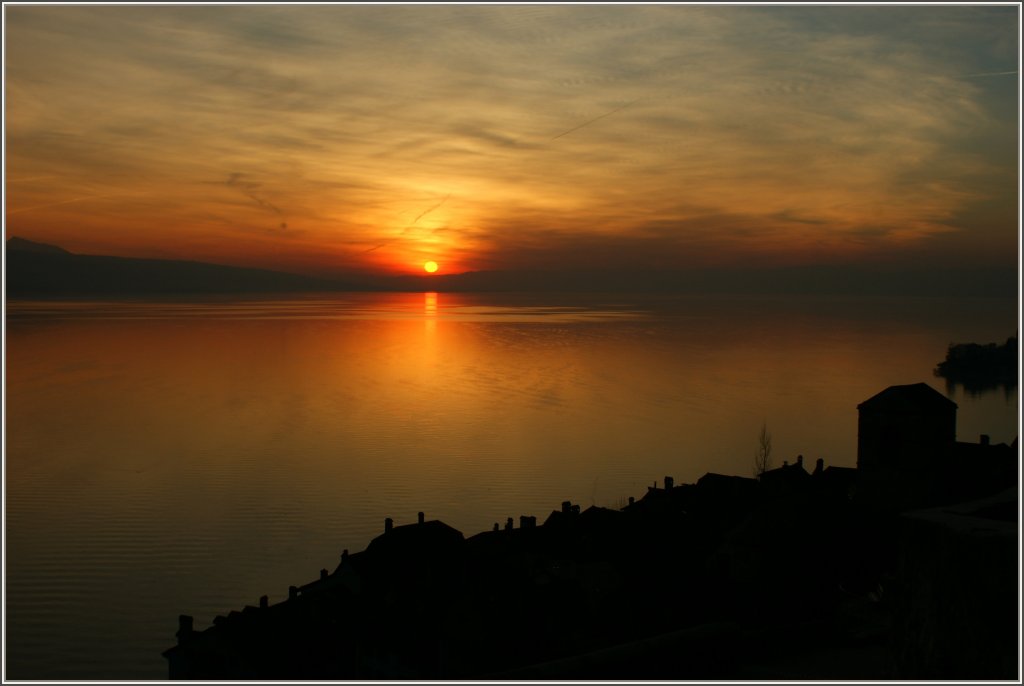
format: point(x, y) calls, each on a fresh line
point(430, 312)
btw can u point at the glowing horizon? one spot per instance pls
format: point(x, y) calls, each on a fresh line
point(342, 139)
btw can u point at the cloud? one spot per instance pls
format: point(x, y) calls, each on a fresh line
point(735, 130)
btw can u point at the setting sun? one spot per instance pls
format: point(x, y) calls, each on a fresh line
point(430, 266)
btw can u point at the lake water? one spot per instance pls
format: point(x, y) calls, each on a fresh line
point(189, 457)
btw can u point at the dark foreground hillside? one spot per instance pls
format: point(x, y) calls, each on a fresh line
point(786, 577)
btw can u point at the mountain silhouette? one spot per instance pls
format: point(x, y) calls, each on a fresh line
point(16, 243)
point(38, 269)
point(42, 270)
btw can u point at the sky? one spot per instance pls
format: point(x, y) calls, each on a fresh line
point(338, 139)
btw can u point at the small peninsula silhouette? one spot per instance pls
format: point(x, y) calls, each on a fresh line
point(979, 367)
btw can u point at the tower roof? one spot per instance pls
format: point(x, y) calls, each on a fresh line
point(911, 396)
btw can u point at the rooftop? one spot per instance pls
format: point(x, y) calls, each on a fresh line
point(911, 396)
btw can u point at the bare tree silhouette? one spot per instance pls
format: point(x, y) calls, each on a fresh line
point(763, 455)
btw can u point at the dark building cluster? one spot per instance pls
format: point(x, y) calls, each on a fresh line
point(833, 573)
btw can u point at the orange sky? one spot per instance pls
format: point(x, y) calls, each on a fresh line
point(347, 138)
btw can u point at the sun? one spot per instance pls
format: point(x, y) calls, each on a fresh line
point(430, 267)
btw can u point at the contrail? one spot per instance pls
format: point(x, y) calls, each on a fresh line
point(59, 202)
point(426, 212)
point(420, 216)
point(30, 178)
point(263, 203)
point(237, 180)
point(588, 123)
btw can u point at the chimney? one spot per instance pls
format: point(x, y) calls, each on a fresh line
point(632, 500)
point(819, 466)
point(388, 523)
point(984, 439)
point(264, 602)
point(527, 522)
point(669, 482)
point(184, 628)
point(496, 527)
point(344, 555)
point(566, 506)
point(800, 461)
point(508, 524)
point(323, 574)
point(293, 592)
point(419, 517)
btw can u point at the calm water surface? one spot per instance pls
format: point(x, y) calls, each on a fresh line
point(189, 457)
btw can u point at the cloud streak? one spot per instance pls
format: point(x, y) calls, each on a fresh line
point(779, 132)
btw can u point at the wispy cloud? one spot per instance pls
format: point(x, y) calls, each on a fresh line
point(784, 130)
point(990, 73)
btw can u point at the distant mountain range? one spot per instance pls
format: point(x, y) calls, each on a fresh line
point(40, 270)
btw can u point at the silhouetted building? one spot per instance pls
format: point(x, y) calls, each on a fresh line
point(720, 487)
point(908, 456)
point(787, 480)
point(904, 435)
point(837, 482)
point(980, 469)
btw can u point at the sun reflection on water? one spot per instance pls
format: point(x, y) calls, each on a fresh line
point(430, 311)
